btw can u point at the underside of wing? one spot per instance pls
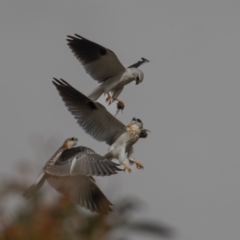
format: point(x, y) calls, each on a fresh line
point(100, 62)
point(75, 161)
point(92, 116)
point(93, 165)
point(83, 191)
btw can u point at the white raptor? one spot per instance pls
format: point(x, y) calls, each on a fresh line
point(103, 66)
point(102, 125)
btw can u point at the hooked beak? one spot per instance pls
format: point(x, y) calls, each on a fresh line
point(137, 82)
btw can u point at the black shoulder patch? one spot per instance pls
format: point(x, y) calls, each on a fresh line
point(92, 105)
point(69, 153)
point(103, 51)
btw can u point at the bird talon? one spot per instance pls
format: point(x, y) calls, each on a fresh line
point(138, 164)
point(109, 100)
point(126, 167)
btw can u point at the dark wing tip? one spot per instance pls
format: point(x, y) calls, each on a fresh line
point(99, 202)
point(76, 37)
point(145, 60)
point(67, 90)
point(60, 82)
point(104, 208)
point(114, 166)
point(108, 167)
point(84, 49)
point(69, 94)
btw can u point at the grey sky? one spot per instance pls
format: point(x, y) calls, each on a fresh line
point(189, 99)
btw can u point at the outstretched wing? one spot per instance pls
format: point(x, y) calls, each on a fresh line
point(82, 161)
point(92, 116)
point(99, 62)
point(83, 191)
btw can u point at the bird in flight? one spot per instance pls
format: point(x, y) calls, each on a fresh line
point(103, 65)
point(70, 172)
point(94, 118)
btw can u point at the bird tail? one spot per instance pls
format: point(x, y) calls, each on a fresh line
point(96, 94)
point(35, 187)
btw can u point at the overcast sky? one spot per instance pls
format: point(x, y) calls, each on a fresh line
point(189, 99)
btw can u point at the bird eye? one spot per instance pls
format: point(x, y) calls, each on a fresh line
point(72, 139)
point(134, 119)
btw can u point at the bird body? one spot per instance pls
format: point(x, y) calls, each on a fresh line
point(101, 125)
point(71, 169)
point(70, 172)
point(42, 176)
point(115, 84)
point(128, 138)
point(103, 65)
point(123, 145)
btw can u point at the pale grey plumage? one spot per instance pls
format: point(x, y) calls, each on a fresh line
point(100, 124)
point(103, 65)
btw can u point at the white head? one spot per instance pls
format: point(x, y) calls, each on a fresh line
point(137, 122)
point(138, 75)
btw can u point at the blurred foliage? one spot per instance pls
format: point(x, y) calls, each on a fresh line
point(39, 219)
